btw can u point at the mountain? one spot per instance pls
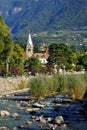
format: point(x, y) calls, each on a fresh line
point(43, 15)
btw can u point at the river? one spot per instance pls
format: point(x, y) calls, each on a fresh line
point(30, 114)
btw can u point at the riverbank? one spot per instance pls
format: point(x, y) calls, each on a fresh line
point(11, 85)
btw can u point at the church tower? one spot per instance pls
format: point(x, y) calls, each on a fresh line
point(29, 47)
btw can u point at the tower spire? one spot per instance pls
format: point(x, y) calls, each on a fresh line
point(29, 42)
point(29, 47)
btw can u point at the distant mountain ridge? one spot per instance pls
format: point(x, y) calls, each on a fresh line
point(43, 15)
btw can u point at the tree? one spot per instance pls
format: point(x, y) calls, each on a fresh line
point(83, 61)
point(17, 55)
point(1, 45)
point(61, 54)
point(6, 43)
point(36, 49)
point(32, 64)
point(8, 47)
point(4, 30)
point(17, 60)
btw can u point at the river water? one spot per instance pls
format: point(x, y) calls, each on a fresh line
point(71, 111)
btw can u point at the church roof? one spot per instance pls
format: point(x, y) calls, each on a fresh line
point(41, 55)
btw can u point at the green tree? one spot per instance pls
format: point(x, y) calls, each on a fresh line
point(17, 55)
point(61, 54)
point(1, 45)
point(32, 64)
point(8, 47)
point(17, 60)
point(4, 30)
point(36, 49)
point(6, 44)
point(83, 61)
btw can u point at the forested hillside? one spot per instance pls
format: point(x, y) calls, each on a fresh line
point(43, 15)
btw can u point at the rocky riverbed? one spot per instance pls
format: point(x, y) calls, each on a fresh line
point(20, 111)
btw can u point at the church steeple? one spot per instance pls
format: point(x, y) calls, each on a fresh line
point(29, 47)
point(29, 42)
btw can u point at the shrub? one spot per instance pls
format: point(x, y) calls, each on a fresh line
point(85, 77)
point(61, 82)
point(37, 87)
point(76, 86)
point(15, 70)
point(3, 70)
point(22, 85)
point(79, 68)
point(42, 86)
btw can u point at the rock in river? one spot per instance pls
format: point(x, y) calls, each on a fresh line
point(4, 113)
point(38, 105)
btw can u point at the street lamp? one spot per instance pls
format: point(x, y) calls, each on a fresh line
point(55, 68)
point(63, 66)
point(7, 65)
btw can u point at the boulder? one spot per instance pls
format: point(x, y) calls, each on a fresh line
point(38, 105)
point(57, 100)
point(59, 120)
point(3, 128)
point(24, 104)
point(29, 122)
point(64, 127)
point(32, 109)
point(52, 126)
point(4, 113)
point(21, 127)
point(14, 128)
point(15, 116)
point(42, 119)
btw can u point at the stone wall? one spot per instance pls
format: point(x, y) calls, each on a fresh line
point(8, 85)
